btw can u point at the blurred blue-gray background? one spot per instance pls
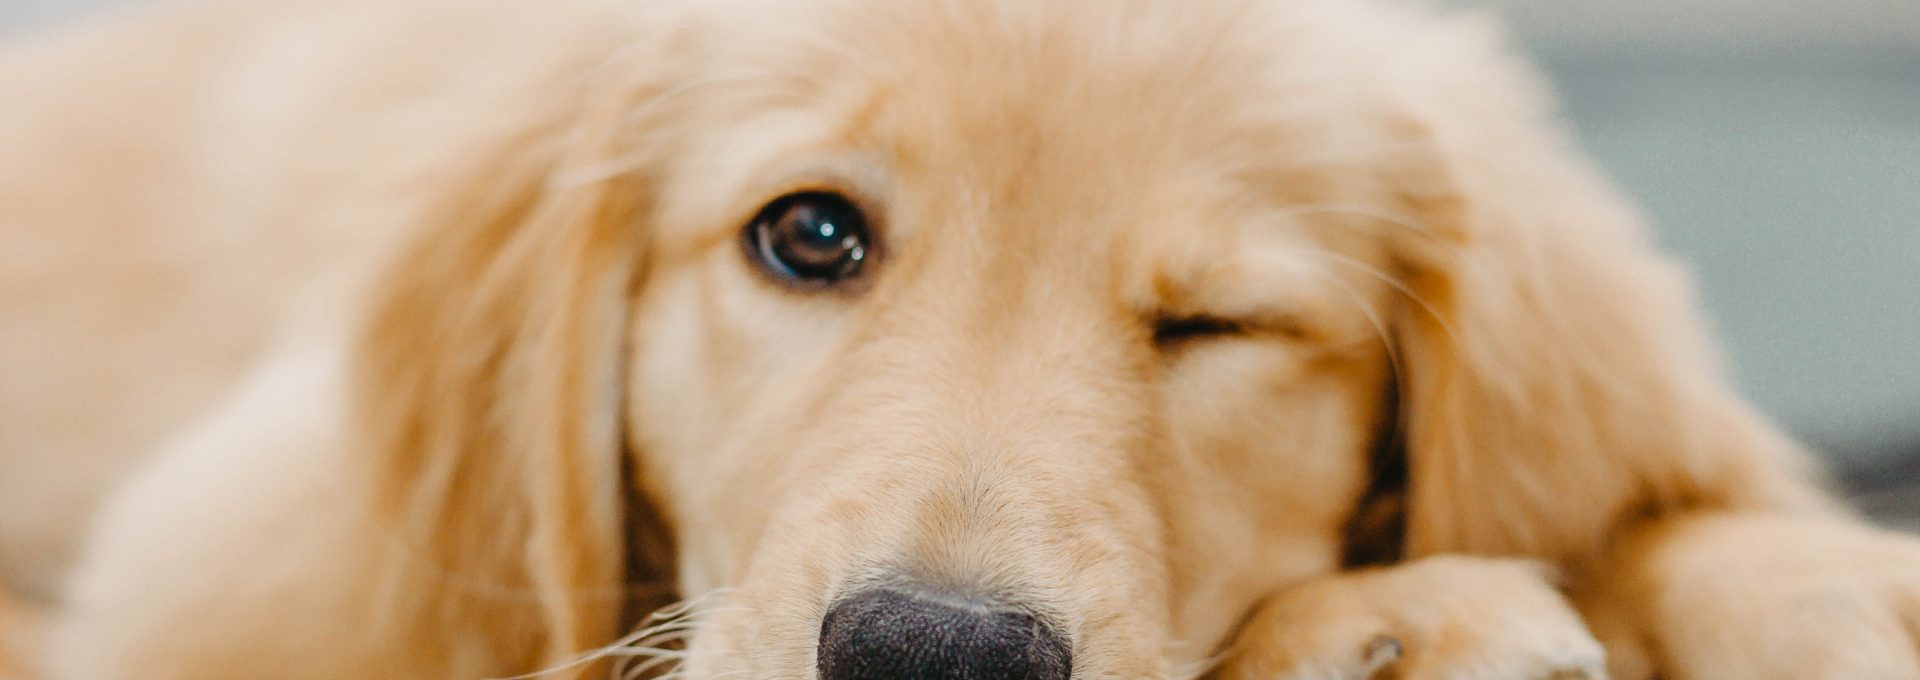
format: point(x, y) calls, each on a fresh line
point(1776, 146)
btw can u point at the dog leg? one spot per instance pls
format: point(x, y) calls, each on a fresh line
point(1451, 617)
point(1757, 597)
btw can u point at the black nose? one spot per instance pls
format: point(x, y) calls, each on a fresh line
point(893, 635)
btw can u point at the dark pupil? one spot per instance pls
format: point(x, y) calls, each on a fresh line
point(815, 239)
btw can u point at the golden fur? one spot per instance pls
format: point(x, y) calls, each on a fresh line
point(418, 331)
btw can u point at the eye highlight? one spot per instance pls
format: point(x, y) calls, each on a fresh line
point(814, 239)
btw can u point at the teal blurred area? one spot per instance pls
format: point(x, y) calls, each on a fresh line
point(1795, 192)
point(1775, 144)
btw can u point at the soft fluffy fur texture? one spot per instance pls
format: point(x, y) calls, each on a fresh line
point(373, 339)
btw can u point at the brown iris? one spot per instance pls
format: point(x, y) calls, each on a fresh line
point(812, 238)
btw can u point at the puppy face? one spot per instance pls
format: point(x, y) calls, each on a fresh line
point(954, 333)
point(1106, 349)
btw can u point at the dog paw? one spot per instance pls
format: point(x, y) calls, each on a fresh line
point(1440, 618)
point(1760, 598)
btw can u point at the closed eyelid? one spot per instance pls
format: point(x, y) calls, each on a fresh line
point(1175, 329)
point(1184, 326)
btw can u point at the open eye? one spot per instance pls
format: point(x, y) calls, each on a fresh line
point(811, 238)
point(1172, 331)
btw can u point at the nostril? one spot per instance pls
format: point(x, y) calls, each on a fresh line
point(892, 635)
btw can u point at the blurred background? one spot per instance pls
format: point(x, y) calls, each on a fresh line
point(1775, 144)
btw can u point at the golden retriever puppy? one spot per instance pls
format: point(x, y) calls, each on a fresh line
point(898, 338)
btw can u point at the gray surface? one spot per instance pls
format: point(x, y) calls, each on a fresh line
point(1776, 145)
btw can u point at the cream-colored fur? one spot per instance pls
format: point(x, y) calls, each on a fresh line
point(20, 639)
point(1476, 618)
point(393, 310)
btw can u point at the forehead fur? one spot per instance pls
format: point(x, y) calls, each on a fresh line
point(1231, 81)
point(1039, 68)
point(1020, 116)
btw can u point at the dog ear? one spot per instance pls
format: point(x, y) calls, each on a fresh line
point(1557, 377)
point(489, 387)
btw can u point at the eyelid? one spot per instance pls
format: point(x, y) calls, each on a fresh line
point(1175, 329)
point(852, 177)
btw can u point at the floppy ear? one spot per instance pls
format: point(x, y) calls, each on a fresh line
point(489, 390)
point(1558, 379)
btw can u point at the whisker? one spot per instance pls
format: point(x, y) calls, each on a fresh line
point(1394, 282)
point(1373, 317)
point(1394, 362)
point(656, 662)
point(670, 623)
point(651, 641)
point(1407, 222)
point(686, 606)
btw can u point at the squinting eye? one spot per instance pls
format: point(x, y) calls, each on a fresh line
point(814, 238)
point(1168, 332)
